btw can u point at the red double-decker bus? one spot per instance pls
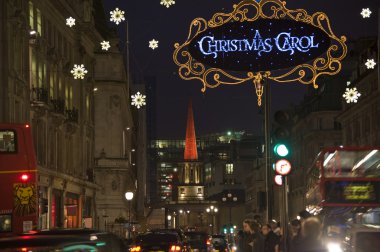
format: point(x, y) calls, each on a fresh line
point(18, 180)
point(343, 186)
point(344, 177)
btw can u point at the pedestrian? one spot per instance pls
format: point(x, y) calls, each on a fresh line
point(272, 241)
point(275, 226)
point(239, 241)
point(294, 235)
point(253, 241)
point(311, 236)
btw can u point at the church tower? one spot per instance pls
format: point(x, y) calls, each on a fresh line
point(190, 175)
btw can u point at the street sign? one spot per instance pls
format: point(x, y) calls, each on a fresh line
point(283, 167)
point(278, 180)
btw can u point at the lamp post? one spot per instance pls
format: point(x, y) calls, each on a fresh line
point(169, 221)
point(129, 197)
point(212, 210)
point(229, 198)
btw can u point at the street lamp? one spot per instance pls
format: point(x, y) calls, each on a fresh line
point(230, 199)
point(129, 197)
point(212, 210)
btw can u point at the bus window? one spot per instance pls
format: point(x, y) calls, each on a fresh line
point(5, 223)
point(352, 163)
point(7, 141)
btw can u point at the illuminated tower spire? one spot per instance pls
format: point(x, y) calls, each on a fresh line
point(191, 140)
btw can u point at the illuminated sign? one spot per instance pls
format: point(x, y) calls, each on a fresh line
point(278, 180)
point(253, 41)
point(367, 192)
point(359, 192)
point(251, 46)
point(283, 167)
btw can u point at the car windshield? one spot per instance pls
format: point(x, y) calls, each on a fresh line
point(196, 236)
point(218, 240)
point(155, 238)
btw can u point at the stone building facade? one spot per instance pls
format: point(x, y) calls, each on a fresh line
point(38, 51)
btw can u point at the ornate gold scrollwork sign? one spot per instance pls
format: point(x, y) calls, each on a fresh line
point(249, 12)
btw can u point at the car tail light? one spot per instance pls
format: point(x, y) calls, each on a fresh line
point(136, 249)
point(174, 248)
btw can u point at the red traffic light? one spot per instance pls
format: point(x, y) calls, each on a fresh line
point(24, 177)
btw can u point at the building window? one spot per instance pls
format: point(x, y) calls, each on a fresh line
point(39, 22)
point(7, 141)
point(31, 15)
point(229, 169)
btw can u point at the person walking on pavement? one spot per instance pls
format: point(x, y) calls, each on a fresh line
point(272, 241)
point(311, 237)
point(253, 241)
point(294, 235)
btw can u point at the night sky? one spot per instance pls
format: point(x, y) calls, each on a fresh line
point(226, 107)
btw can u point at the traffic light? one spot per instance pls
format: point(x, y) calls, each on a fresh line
point(281, 143)
point(225, 229)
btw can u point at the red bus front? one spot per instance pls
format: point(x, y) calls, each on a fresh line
point(18, 180)
point(345, 177)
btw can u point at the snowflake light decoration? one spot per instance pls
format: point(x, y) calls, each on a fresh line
point(79, 71)
point(167, 3)
point(370, 63)
point(153, 44)
point(70, 21)
point(117, 16)
point(105, 45)
point(351, 95)
point(366, 13)
point(138, 100)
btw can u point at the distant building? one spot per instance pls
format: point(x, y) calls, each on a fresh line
point(361, 121)
point(195, 173)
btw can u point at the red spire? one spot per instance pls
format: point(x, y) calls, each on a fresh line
point(191, 140)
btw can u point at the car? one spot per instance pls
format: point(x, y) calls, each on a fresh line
point(109, 240)
point(157, 241)
point(198, 241)
point(361, 238)
point(56, 243)
point(180, 233)
point(219, 243)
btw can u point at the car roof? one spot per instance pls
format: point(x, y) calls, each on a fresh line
point(66, 232)
point(40, 240)
point(196, 233)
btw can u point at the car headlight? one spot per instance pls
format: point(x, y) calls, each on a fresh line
point(334, 247)
point(234, 248)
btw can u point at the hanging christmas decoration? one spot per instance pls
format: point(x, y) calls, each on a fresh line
point(255, 40)
point(366, 13)
point(138, 100)
point(167, 3)
point(351, 95)
point(117, 16)
point(153, 44)
point(370, 63)
point(70, 21)
point(79, 71)
point(105, 45)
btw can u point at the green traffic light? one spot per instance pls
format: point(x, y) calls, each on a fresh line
point(281, 150)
